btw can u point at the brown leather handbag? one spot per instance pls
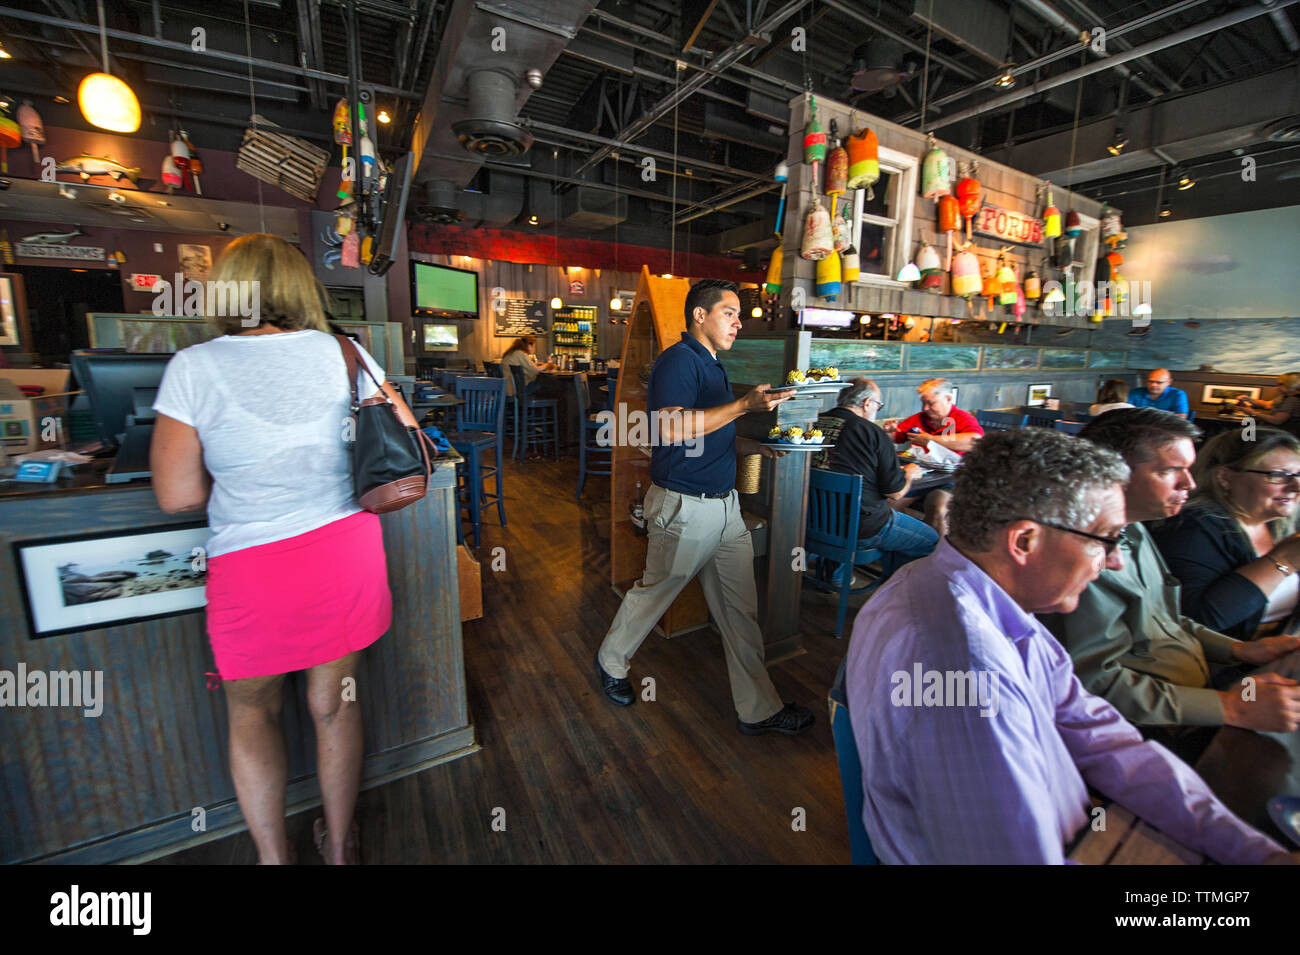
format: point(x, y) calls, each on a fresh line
point(391, 463)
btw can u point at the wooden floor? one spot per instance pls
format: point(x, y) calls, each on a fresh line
point(580, 780)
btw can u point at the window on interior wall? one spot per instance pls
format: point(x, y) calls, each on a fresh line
point(882, 224)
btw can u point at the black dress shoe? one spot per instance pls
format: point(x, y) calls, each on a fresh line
point(792, 719)
point(616, 690)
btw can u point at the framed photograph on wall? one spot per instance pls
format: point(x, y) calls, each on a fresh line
point(71, 584)
point(1038, 395)
point(1226, 394)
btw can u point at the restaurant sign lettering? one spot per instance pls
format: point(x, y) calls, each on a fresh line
point(1008, 226)
point(78, 253)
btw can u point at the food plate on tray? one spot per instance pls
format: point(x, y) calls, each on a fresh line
point(787, 446)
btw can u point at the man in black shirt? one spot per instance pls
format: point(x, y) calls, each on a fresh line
point(862, 447)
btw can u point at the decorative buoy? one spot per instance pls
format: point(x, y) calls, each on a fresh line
point(837, 167)
point(864, 160)
point(969, 198)
point(852, 269)
point(1005, 279)
point(936, 171)
point(814, 142)
point(965, 274)
point(1033, 286)
point(828, 277)
point(773, 284)
point(931, 268)
point(1073, 226)
point(818, 240)
point(1051, 219)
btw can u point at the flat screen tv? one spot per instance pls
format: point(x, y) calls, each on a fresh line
point(440, 337)
point(443, 291)
point(825, 318)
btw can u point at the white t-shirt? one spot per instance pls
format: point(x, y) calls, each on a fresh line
point(524, 361)
point(1096, 410)
point(1282, 601)
point(270, 412)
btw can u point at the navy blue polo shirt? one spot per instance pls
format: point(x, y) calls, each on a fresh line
point(687, 376)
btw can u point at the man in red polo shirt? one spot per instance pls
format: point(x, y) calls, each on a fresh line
point(940, 421)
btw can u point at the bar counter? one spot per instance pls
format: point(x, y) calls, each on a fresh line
point(149, 774)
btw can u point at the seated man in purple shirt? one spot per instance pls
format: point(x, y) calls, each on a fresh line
point(978, 743)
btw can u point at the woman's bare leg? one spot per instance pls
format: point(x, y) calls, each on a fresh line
point(332, 699)
point(258, 762)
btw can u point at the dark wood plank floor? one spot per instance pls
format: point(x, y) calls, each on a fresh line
point(580, 780)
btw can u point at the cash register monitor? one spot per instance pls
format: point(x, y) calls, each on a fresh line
point(122, 388)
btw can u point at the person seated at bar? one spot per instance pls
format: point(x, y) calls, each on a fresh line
point(1130, 642)
point(248, 429)
point(1109, 397)
point(1235, 548)
point(693, 519)
point(942, 422)
point(861, 447)
point(522, 352)
point(1159, 393)
point(1282, 411)
point(1000, 774)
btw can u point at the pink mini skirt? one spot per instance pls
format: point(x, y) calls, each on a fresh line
point(299, 602)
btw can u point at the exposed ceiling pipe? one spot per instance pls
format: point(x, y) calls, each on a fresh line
point(1063, 23)
point(1155, 70)
point(717, 206)
point(1283, 24)
point(690, 161)
point(1113, 61)
point(720, 62)
point(187, 50)
point(1040, 62)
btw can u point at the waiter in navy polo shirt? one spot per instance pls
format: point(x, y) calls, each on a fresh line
point(692, 512)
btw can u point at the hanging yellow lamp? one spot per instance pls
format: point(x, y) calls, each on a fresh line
point(104, 100)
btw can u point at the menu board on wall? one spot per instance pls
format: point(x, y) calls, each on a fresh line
point(522, 316)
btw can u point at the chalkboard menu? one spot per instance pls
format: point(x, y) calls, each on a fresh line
point(523, 316)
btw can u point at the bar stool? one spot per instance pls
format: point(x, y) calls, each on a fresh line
point(535, 419)
point(588, 446)
point(480, 429)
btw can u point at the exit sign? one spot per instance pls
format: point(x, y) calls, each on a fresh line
point(144, 283)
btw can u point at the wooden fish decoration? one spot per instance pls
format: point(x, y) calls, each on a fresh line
point(87, 166)
point(50, 238)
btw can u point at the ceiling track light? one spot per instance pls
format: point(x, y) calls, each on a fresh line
point(1185, 181)
point(1117, 144)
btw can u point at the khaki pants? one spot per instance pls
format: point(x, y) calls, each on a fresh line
point(705, 536)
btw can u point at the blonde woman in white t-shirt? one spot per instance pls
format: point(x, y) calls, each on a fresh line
point(250, 427)
point(1110, 396)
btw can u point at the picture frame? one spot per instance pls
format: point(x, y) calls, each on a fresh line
point(1227, 394)
point(92, 581)
point(1038, 395)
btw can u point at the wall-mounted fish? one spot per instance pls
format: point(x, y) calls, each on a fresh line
point(49, 238)
point(87, 166)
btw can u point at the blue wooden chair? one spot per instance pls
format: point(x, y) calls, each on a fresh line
point(1069, 427)
point(846, 754)
point(1000, 420)
point(611, 384)
point(1043, 417)
point(593, 458)
point(834, 500)
point(536, 421)
point(480, 430)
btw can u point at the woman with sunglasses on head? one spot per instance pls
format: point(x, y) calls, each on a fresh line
point(1234, 547)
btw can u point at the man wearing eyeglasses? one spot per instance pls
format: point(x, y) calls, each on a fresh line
point(977, 742)
point(1129, 640)
point(861, 447)
point(1160, 393)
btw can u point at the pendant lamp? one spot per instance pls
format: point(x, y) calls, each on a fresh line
point(104, 100)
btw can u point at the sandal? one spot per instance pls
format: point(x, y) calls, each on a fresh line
point(351, 846)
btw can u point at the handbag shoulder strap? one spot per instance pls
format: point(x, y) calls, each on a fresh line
point(352, 358)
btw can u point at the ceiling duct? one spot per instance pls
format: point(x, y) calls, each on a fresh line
point(978, 25)
point(447, 204)
point(592, 208)
point(491, 131)
point(881, 64)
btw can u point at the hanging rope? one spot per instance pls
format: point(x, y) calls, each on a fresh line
point(672, 253)
point(925, 77)
point(1074, 133)
point(252, 102)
